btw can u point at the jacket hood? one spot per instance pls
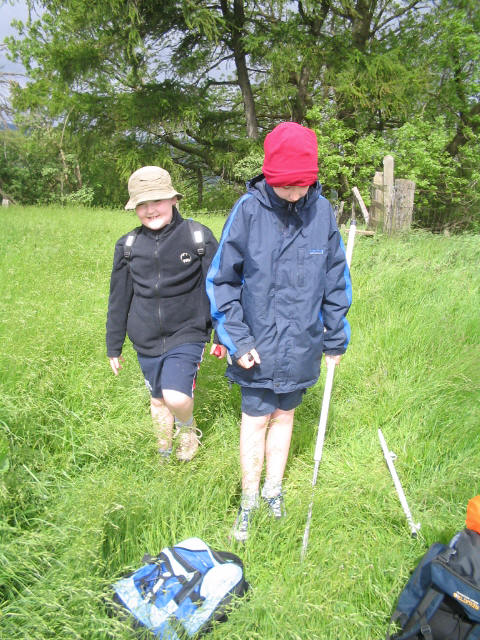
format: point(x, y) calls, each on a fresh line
point(264, 192)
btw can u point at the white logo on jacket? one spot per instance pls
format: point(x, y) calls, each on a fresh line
point(185, 257)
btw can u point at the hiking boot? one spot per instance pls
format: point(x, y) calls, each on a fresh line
point(240, 526)
point(276, 506)
point(164, 439)
point(165, 454)
point(188, 441)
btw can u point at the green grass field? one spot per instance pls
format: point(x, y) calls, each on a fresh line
point(83, 496)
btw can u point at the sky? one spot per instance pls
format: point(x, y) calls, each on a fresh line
point(8, 13)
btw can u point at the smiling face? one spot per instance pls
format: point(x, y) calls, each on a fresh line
point(291, 194)
point(155, 214)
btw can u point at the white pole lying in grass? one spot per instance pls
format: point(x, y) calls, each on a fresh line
point(390, 457)
point(327, 392)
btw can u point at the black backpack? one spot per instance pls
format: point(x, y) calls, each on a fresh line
point(196, 230)
point(441, 601)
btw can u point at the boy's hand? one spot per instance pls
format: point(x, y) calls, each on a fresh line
point(218, 350)
point(332, 360)
point(116, 364)
point(249, 359)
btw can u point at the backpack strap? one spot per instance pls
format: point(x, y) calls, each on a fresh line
point(189, 586)
point(129, 241)
point(418, 623)
point(198, 236)
point(224, 557)
point(196, 230)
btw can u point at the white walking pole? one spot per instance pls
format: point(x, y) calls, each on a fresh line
point(390, 457)
point(319, 446)
point(327, 392)
point(350, 241)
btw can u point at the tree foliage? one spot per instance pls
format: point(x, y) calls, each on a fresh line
point(194, 85)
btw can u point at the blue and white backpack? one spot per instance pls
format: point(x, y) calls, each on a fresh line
point(180, 592)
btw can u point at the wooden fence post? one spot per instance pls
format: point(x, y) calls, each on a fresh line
point(392, 200)
point(388, 193)
point(377, 206)
point(403, 205)
point(339, 211)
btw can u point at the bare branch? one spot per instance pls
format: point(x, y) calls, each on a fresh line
point(214, 66)
point(396, 15)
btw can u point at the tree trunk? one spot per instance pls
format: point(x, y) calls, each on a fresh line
point(236, 22)
point(361, 23)
point(199, 187)
point(466, 120)
point(6, 196)
point(302, 96)
point(78, 173)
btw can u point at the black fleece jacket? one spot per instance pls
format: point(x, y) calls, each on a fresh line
point(158, 296)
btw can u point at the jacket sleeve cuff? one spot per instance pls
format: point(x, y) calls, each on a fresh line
point(334, 352)
point(114, 354)
point(241, 351)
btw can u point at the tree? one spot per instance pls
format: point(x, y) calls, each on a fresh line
point(195, 84)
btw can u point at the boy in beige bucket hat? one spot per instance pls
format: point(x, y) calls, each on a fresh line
point(150, 183)
point(157, 297)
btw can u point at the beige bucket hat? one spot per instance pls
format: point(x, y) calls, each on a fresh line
point(150, 183)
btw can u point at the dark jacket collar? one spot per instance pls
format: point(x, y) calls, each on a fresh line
point(167, 229)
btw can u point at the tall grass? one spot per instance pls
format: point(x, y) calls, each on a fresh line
point(82, 493)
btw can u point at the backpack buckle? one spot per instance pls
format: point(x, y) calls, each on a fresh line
point(426, 631)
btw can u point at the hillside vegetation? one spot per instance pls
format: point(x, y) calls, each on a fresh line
point(82, 493)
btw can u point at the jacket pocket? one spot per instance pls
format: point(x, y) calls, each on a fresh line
point(143, 324)
point(311, 265)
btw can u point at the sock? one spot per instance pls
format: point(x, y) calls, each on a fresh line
point(187, 423)
point(271, 489)
point(249, 500)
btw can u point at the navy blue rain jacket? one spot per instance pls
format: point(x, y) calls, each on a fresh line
point(279, 283)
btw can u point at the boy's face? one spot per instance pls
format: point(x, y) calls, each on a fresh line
point(291, 194)
point(155, 214)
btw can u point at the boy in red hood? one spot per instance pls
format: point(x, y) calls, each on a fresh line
point(279, 290)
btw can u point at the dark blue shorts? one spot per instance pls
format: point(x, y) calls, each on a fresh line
point(176, 369)
point(263, 402)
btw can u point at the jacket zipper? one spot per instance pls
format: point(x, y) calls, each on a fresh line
point(157, 255)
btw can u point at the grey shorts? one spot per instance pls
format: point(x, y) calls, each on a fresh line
point(262, 402)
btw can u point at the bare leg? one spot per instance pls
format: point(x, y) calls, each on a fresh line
point(162, 422)
point(252, 451)
point(278, 445)
point(252, 455)
point(179, 404)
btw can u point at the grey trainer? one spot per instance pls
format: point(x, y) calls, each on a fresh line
point(240, 526)
point(276, 506)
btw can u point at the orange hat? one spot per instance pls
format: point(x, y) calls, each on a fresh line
point(473, 514)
